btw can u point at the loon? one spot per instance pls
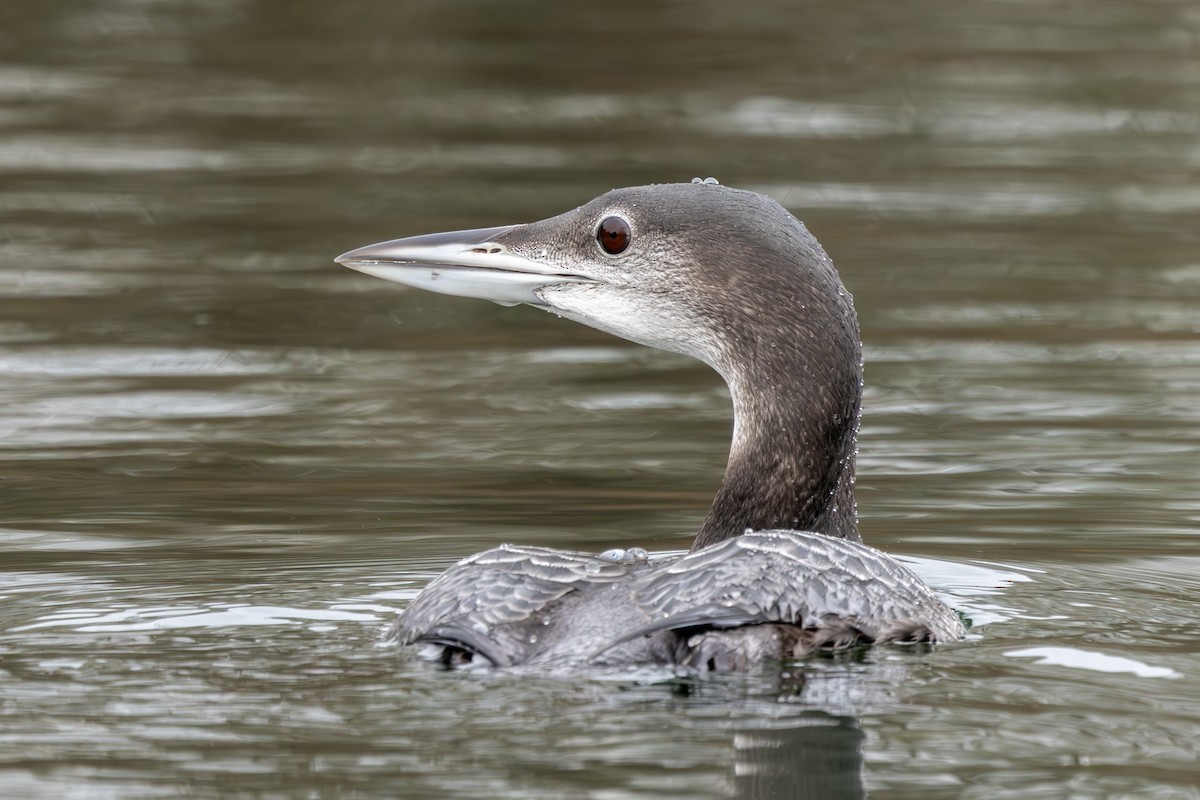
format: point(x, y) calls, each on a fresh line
point(778, 569)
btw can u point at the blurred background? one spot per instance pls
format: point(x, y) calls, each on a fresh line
point(226, 462)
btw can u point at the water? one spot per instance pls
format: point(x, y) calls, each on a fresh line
point(226, 463)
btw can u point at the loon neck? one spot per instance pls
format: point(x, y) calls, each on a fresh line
point(795, 438)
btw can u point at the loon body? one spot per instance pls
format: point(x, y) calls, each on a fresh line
point(778, 568)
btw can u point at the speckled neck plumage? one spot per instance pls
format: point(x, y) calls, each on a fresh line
point(797, 396)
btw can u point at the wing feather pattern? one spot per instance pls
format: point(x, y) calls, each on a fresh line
point(793, 578)
point(475, 603)
point(760, 596)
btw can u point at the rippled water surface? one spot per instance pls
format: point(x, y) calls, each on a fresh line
point(226, 463)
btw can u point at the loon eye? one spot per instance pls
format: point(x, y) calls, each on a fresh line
point(613, 235)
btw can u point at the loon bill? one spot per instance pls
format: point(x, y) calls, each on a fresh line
point(778, 568)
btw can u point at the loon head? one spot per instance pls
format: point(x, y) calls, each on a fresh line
point(720, 274)
point(699, 269)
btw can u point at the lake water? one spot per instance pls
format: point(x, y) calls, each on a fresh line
point(227, 463)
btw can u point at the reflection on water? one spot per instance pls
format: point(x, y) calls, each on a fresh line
point(802, 760)
point(226, 463)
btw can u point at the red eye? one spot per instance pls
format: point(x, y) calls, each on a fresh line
point(613, 235)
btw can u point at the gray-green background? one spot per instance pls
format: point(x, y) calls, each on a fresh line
point(225, 462)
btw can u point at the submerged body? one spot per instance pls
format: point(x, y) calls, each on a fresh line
point(762, 596)
point(778, 568)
